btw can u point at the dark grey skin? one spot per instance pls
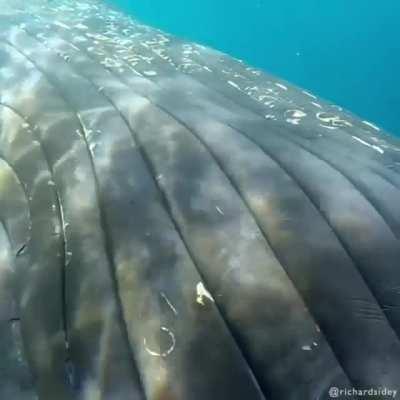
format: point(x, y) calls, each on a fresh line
point(176, 225)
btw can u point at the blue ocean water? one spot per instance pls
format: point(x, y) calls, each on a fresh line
point(347, 51)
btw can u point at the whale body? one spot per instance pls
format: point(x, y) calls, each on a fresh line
point(178, 225)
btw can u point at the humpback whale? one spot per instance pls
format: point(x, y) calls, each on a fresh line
point(178, 225)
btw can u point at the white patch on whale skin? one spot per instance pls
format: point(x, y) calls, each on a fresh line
point(150, 73)
point(316, 104)
point(219, 210)
point(81, 27)
point(62, 25)
point(309, 94)
point(295, 113)
point(202, 293)
point(294, 116)
point(371, 125)
point(281, 86)
point(331, 120)
point(372, 146)
point(235, 85)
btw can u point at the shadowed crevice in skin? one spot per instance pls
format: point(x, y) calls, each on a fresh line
point(36, 137)
point(76, 380)
point(43, 277)
point(257, 135)
point(329, 329)
point(15, 375)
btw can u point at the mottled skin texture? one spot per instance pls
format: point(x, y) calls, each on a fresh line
point(175, 225)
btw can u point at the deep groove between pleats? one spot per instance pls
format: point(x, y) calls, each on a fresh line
point(237, 190)
point(256, 113)
point(168, 209)
point(326, 219)
point(107, 245)
point(306, 149)
point(353, 183)
point(253, 216)
point(60, 219)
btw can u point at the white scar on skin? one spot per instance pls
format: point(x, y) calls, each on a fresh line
point(202, 293)
point(371, 125)
point(168, 351)
point(281, 86)
point(372, 146)
point(164, 296)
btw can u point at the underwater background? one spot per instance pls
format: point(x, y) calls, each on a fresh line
point(346, 51)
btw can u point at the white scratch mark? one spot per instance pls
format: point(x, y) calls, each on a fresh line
point(150, 73)
point(62, 25)
point(316, 104)
point(306, 348)
point(164, 296)
point(235, 85)
point(372, 146)
point(81, 26)
point(281, 86)
point(219, 210)
point(168, 351)
point(202, 293)
point(309, 95)
point(371, 125)
point(332, 128)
